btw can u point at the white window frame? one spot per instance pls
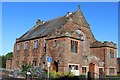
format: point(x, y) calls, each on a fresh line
point(111, 68)
point(85, 70)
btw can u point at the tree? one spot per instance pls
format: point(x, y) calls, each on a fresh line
point(0, 61)
point(9, 55)
point(3, 62)
point(3, 58)
point(25, 68)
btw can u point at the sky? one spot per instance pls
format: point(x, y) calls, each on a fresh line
point(59, 0)
point(19, 17)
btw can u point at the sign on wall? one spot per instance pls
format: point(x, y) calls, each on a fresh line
point(49, 59)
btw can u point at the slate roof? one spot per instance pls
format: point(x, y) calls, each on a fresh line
point(103, 44)
point(47, 28)
point(96, 44)
point(44, 29)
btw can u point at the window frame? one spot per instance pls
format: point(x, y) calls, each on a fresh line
point(26, 45)
point(18, 46)
point(111, 70)
point(112, 54)
point(34, 62)
point(84, 69)
point(74, 46)
point(35, 44)
point(75, 67)
point(55, 43)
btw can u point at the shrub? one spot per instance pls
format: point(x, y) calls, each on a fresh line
point(54, 74)
point(83, 76)
point(68, 74)
point(118, 75)
point(112, 77)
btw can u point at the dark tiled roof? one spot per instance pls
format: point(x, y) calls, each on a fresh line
point(51, 25)
point(96, 44)
point(44, 29)
point(105, 43)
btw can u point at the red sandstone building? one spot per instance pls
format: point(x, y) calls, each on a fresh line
point(71, 44)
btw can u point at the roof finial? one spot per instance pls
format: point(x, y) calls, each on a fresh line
point(79, 6)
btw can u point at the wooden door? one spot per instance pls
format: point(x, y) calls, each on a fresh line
point(91, 69)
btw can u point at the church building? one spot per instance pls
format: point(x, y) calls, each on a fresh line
point(71, 44)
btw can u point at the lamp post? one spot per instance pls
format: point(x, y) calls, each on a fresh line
point(48, 64)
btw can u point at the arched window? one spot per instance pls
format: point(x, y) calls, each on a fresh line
point(82, 36)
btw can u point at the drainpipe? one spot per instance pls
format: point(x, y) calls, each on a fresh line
point(104, 63)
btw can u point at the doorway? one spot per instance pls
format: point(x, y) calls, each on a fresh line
point(100, 72)
point(92, 69)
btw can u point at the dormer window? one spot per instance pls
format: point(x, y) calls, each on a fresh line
point(26, 45)
point(18, 46)
point(35, 44)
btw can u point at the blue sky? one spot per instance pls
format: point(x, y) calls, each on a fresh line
point(17, 18)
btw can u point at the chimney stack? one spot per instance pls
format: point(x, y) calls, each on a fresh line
point(38, 22)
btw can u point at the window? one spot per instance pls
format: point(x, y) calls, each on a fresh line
point(45, 43)
point(70, 67)
point(55, 44)
point(73, 67)
point(18, 46)
point(111, 70)
point(80, 34)
point(26, 45)
point(111, 53)
point(74, 46)
point(34, 63)
point(83, 69)
point(100, 70)
point(76, 67)
point(83, 45)
point(36, 44)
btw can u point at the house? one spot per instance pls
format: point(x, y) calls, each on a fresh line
point(71, 44)
point(9, 63)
